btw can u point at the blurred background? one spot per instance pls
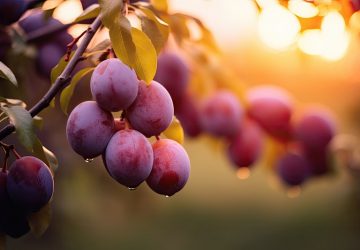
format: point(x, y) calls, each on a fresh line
point(314, 56)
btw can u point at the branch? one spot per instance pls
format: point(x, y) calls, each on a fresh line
point(62, 80)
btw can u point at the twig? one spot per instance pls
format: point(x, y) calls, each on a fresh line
point(61, 81)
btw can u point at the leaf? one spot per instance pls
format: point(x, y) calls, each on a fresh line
point(99, 47)
point(40, 221)
point(7, 74)
point(67, 93)
point(91, 12)
point(175, 131)
point(179, 28)
point(38, 122)
point(59, 68)
point(110, 10)
point(146, 58)
point(12, 102)
point(161, 5)
point(154, 28)
point(45, 155)
point(23, 123)
point(120, 36)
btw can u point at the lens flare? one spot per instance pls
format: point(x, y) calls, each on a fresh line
point(303, 9)
point(310, 42)
point(278, 28)
point(67, 11)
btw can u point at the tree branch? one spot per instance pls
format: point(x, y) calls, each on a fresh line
point(62, 80)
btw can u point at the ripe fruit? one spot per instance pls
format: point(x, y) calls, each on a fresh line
point(246, 147)
point(315, 130)
point(173, 74)
point(152, 111)
point(119, 124)
point(13, 220)
point(272, 108)
point(129, 158)
point(38, 20)
point(48, 56)
point(221, 114)
point(30, 183)
point(89, 129)
point(87, 3)
point(114, 85)
point(188, 113)
point(11, 11)
point(171, 167)
point(293, 169)
point(319, 162)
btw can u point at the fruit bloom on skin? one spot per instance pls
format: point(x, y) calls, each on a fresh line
point(221, 114)
point(246, 147)
point(114, 85)
point(272, 109)
point(89, 129)
point(152, 111)
point(293, 169)
point(171, 167)
point(30, 183)
point(129, 158)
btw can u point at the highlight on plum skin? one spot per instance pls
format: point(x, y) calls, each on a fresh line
point(246, 147)
point(293, 169)
point(89, 129)
point(315, 130)
point(221, 114)
point(30, 183)
point(152, 111)
point(173, 73)
point(129, 158)
point(272, 109)
point(114, 85)
point(171, 168)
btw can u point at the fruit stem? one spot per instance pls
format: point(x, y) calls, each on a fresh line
point(62, 81)
point(71, 45)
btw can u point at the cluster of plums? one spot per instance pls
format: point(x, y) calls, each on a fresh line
point(147, 110)
point(24, 189)
point(268, 111)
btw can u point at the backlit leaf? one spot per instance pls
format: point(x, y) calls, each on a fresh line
point(175, 131)
point(7, 74)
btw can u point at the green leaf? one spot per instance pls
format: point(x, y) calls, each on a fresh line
point(45, 155)
point(146, 58)
point(59, 68)
point(110, 10)
point(40, 221)
point(23, 123)
point(161, 5)
point(156, 29)
point(38, 122)
point(91, 12)
point(7, 74)
point(67, 93)
point(120, 36)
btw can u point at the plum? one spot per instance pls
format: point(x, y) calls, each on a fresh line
point(30, 183)
point(89, 129)
point(246, 147)
point(120, 124)
point(171, 167)
point(11, 11)
point(114, 85)
point(152, 111)
point(13, 219)
point(188, 113)
point(38, 20)
point(271, 108)
point(129, 158)
point(86, 3)
point(221, 114)
point(315, 130)
point(319, 162)
point(48, 57)
point(293, 169)
point(173, 73)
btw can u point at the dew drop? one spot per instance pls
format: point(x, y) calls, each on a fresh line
point(88, 160)
point(167, 196)
point(294, 192)
point(131, 189)
point(243, 173)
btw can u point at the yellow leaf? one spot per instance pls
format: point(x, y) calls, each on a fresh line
point(40, 221)
point(161, 5)
point(145, 63)
point(175, 131)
